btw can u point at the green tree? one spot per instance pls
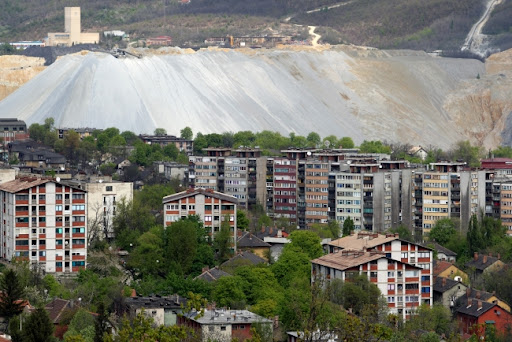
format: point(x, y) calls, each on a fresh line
point(346, 142)
point(463, 150)
point(443, 231)
point(186, 133)
point(244, 138)
point(81, 325)
point(331, 140)
point(503, 152)
point(160, 131)
point(181, 244)
point(229, 292)
point(375, 146)
point(403, 232)
point(292, 264)
point(313, 139)
point(348, 226)
point(11, 292)
point(147, 258)
point(357, 293)
point(474, 236)
point(242, 221)
point(100, 324)
point(306, 242)
point(132, 219)
point(222, 241)
point(38, 327)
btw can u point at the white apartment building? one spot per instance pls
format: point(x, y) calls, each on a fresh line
point(44, 222)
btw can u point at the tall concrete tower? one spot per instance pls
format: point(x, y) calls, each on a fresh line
point(72, 24)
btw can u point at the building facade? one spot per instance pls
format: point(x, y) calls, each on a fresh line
point(44, 222)
point(72, 34)
point(211, 206)
point(400, 283)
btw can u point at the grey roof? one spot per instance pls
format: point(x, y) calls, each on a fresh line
point(473, 309)
point(448, 284)
point(151, 302)
point(244, 257)
point(224, 317)
point(248, 240)
point(479, 262)
point(444, 250)
point(212, 275)
point(194, 191)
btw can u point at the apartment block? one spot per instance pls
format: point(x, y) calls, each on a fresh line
point(393, 248)
point(400, 283)
point(285, 188)
point(211, 206)
point(239, 173)
point(44, 222)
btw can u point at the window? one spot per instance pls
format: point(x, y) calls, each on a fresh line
point(58, 197)
point(391, 287)
point(58, 208)
point(78, 241)
point(78, 207)
point(411, 286)
point(42, 253)
point(391, 274)
point(78, 230)
point(425, 290)
point(425, 278)
point(78, 196)
point(192, 207)
point(405, 255)
point(42, 242)
point(58, 242)
point(42, 197)
point(391, 299)
point(223, 328)
point(58, 230)
point(108, 188)
point(42, 219)
point(78, 263)
point(21, 242)
point(78, 218)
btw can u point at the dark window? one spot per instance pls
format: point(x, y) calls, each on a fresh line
point(109, 188)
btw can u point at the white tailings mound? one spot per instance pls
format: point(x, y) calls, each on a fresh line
point(346, 91)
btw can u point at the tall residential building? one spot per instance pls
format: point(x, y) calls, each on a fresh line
point(239, 173)
point(400, 283)
point(72, 31)
point(13, 129)
point(45, 222)
point(211, 206)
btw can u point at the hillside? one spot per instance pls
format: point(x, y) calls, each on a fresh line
point(391, 95)
point(417, 24)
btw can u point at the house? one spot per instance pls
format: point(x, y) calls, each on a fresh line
point(393, 248)
point(211, 275)
point(443, 253)
point(172, 170)
point(44, 222)
point(211, 206)
point(183, 145)
point(251, 243)
point(484, 264)
point(121, 163)
point(276, 246)
point(56, 312)
point(404, 286)
point(241, 259)
point(163, 310)
point(479, 312)
point(13, 129)
point(449, 270)
point(447, 291)
point(224, 325)
point(34, 155)
point(419, 152)
point(483, 296)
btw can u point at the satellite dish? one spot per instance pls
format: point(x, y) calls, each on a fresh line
point(62, 168)
point(349, 162)
point(327, 143)
point(308, 153)
point(458, 278)
point(100, 181)
point(57, 179)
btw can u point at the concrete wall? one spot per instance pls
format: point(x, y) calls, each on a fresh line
point(407, 199)
point(378, 202)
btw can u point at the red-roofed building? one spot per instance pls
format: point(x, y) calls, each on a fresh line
point(400, 283)
point(477, 314)
point(496, 163)
point(44, 222)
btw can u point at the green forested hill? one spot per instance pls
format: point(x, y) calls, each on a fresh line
point(418, 24)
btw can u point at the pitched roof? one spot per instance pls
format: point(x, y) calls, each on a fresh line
point(362, 240)
point(270, 232)
point(212, 275)
point(195, 191)
point(441, 249)
point(442, 284)
point(244, 257)
point(441, 266)
point(476, 308)
point(151, 302)
point(481, 262)
point(347, 259)
point(248, 240)
point(55, 309)
point(21, 184)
